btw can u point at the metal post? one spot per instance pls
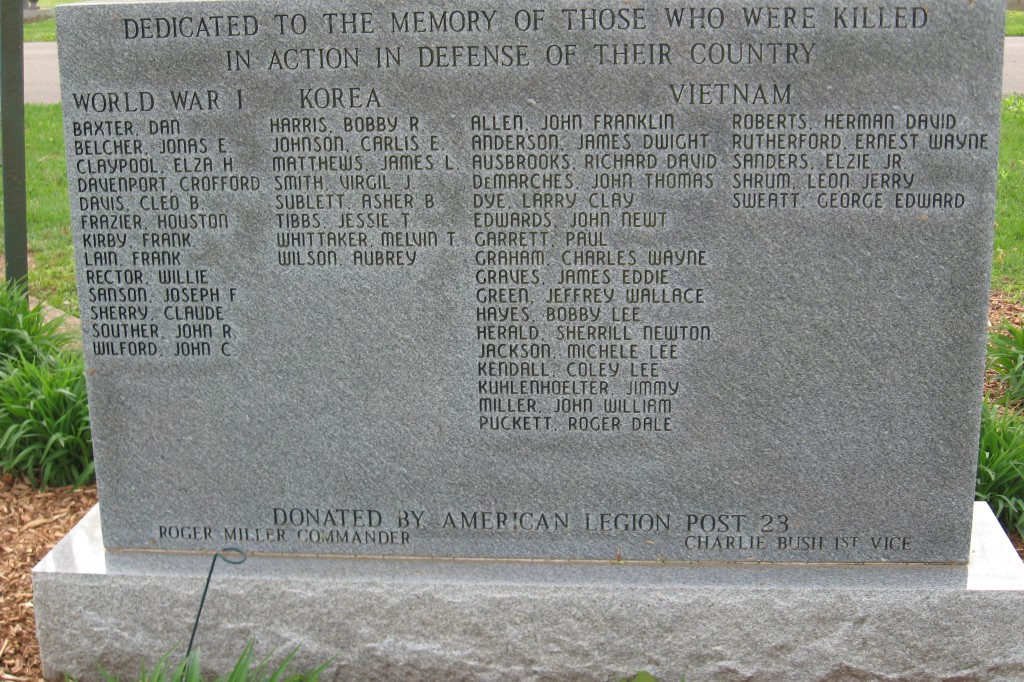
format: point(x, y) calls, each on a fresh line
point(12, 110)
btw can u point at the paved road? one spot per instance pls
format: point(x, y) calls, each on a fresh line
point(42, 84)
point(1013, 66)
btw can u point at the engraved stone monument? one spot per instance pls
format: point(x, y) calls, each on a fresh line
point(628, 291)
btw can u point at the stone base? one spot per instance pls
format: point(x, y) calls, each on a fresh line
point(31, 15)
point(422, 619)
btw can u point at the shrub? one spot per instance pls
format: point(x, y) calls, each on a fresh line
point(24, 331)
point(45, 433)
point(1000, 478)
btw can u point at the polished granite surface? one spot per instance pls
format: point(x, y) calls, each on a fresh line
point(994, 565)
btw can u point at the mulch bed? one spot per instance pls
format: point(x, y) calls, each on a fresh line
point(31, 523)
point(1002, 310)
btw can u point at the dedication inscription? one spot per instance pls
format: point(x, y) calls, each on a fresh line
point(599, 281)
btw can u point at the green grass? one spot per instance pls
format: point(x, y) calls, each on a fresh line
point(52, 272)
point(50, 4)
point(45, 31)
point(1014, 23)
point(1008, 254)
point(41, 31)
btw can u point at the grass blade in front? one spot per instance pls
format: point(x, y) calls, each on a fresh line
point(188, 670)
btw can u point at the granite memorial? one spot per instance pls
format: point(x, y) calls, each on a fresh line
point(558, 283)
point(613, 282)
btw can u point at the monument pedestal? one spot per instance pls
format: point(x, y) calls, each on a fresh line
point(434, 619)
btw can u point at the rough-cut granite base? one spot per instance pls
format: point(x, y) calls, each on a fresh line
point(421, 619)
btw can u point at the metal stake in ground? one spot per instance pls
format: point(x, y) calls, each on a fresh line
point(237, 557)
point(12, 106)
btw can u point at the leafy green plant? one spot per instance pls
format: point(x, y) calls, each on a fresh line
point(246, 670)
point(1000, 478)
point(1006, 359)
point(24, 330)
point(45, 433)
